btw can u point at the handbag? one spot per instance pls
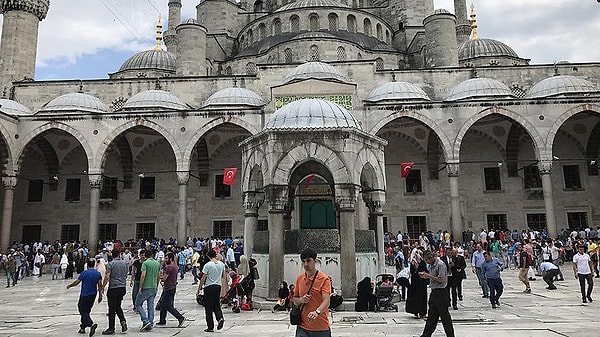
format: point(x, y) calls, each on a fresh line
point(296, 311)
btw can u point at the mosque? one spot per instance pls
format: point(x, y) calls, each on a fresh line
point(317, 104)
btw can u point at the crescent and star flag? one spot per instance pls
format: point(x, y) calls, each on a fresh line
point(229, 175)
point(308, 180)
point(405, 169)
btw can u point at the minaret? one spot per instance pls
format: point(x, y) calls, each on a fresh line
point(158, 34)
point(170, 36)
point(473, 16)
point(18, 49)
point(463, 28)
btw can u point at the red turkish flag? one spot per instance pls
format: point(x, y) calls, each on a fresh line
point(229, 175)
point(405, 169)
point(308, 180)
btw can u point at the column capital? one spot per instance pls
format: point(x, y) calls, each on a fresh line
point(95, 180)
point(375, 201)
point(9, 182)
point(183, 178)
point(38, 8)
point(253, 201)
point(545, 167)
point(453, 169)
point(278, 199)
point(345, 197)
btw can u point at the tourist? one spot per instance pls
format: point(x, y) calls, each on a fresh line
point(116, 278)
point(416, 298)
point(549, 270)
point(476, 261)
point(491, 269)
point(91, 282)
point(582, 268)
point(147, 291)
point(438, 300)
point(168, 277)
point(210, 283)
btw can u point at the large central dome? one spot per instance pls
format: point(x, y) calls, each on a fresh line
point(311, 3)
point(314, 70)
point(311, 113)
point(150, 59)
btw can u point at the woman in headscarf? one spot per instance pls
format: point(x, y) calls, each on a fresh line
point(364, 296)
point(416, 299)
point(282, 301)
point(243, 268)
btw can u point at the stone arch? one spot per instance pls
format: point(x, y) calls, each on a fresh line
point(538, 141)
point(445, 141)
point(492, 140)
point(104, 146)
point(48, 126)
point(187, 154)
point(562, 119)
point(574, 140)
point(235, 140)
point(6, 150)
point(147, 149)
point(257, 159)
point(366, 157)
point(409, 139)
point(315, 152)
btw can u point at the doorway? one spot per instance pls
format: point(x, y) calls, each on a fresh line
point(317, 214)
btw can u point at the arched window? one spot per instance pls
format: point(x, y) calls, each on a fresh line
point(313, 20)
point(359, 56)
point(314, 53)
point(276, 27)
point(294, 24)
point(341, 53)
point(228, 71)
point(351, 24)
point(251, 68)
point(367, 27)
point(379, 32)
point(250, 36)
point(243, 41)
point(258, 6)
point(387, 37)
point(333, 22)
point(379, 64)
point(262, 31)
point(289, 57)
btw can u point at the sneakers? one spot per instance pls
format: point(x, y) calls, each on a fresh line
point(145, 326)
point(93, 329)
point(220, 325)
point(161, 323)
point(123, 326)
point(181, 321)
point(498, 304)
point(551, 287)
point(527, 291)
point(108, 332)
point(209, 330)
point(485, 296)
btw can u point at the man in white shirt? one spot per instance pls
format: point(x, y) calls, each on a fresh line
point(582, 268)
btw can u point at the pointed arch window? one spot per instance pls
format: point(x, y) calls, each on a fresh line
point(314, 53)
point(333, 22)
point(367, 27)
point(341, 53)
point(289, 57)
point(276, 27)
point(262, 31)
point(294, 24)
point(379, 32)
point(351, 23)
point(313, 20)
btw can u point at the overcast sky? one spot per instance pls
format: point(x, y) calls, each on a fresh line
point(91, 38)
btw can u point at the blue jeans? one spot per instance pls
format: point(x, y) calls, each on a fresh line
point(305, 333)
point(147, 295)
point(482, 281)
point(134, 291)
point(85, 305)
point(181, 271)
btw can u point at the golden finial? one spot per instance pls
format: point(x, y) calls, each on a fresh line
point(158, 34)
point(474, 35)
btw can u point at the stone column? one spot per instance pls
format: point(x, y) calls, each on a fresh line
point(95, 185)
point(9, 184)
point(278, 203)
point(252, 202)
point(183, 179)
point(546, 173)
point(375, 202)
point(457, 227)
point(345, 201)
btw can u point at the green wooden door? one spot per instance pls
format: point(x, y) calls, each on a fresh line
point(317, 214)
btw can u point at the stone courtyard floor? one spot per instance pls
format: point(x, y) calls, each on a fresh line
point(43, 307)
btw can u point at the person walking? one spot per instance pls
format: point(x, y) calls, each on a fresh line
point(549, 271)
point(313, 292)
point(491, 269)
point(582, 268)
point(416, 297)
point(476, 262)
point(147, 292)
point(524, 261)
point(439, 299)
point(168, 278)
point(457, 271)
point(136, 272)
point(91, 282)
point(213, 271)
point(116, 278)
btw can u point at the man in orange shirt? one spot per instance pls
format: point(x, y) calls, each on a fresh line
point(315, 303)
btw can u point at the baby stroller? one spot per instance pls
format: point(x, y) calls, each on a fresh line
point(384, 293)
point(235, 293)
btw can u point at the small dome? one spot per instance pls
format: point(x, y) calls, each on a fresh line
point(312, 3)
point(479, 88)
point(484, 48)
point(234, 96)
point(561, 85)
point(311, 113)
point(441, 11)
point(155, 99)
point(316, 70)
point(75, 102)
point(13, 108)
point(150, 59)
point(190, 21)
point(397, 91)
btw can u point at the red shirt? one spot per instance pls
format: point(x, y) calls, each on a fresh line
point(321, 286)
point(171, 282)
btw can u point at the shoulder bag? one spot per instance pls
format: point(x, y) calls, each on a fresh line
point(296, 312)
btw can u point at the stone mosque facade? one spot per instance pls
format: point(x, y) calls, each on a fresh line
point(316, 103)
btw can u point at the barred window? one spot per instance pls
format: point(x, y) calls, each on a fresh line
point(367, 27)
point(379, 64)
point(518, 91)
point(379, 32)
point(333, 22)
point(276, 27)
point(387, 37)
point(289, 57)
point(117, 103)
point(295, 24)
point(314, 53)
point(341, 53)
point(351, 24)
point(262, 31)
point(228, 71)
point(314, 22)
point(251, 68)
point(250, 36)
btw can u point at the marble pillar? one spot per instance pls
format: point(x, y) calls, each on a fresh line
point(546, 175)
point(457, 228)
point(278, 205)
point(9, 184)
point(252, 202)
point(346, 203)
point(375, 202)
point(95, 185)
point(183, 179)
